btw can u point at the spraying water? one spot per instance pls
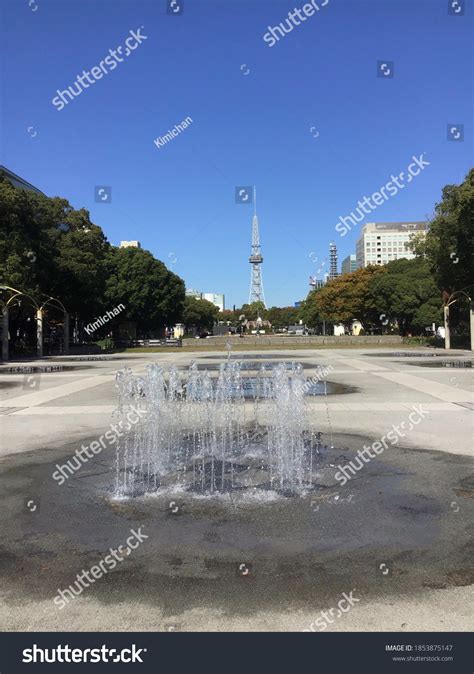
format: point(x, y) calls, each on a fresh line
point(201, 435)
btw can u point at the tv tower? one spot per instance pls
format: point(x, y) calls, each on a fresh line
point(256, 259)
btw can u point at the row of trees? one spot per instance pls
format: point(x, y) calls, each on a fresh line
point(47, 248)
point(401, 293)
point(410, 293)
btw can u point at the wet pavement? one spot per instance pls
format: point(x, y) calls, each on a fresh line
point(399, 531)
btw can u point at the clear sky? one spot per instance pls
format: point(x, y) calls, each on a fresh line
point(253, 128)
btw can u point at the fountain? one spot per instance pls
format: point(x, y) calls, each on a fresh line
point(201, 435)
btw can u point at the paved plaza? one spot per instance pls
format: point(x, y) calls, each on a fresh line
point(398, 534)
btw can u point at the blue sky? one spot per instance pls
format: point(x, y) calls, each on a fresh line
point(247, 129)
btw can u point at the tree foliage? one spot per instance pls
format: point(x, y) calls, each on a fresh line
point(47, 248)
point(199, 314)
point(282, 317)
point(343, 299)
point(153, 296)
point(254, 310)
point(449, 243)
point(406, 293)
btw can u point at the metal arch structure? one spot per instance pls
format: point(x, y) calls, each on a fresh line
point(256, 282)
point(54, 302)
point(452, 300)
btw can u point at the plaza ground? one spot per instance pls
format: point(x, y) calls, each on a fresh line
point(399, 534)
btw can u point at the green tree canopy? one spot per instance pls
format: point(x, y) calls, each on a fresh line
point(343, 299)
point(406, 293)
point(282, 317)
point(252, 311)
point(199, 314)
point(449, 243)
point(48, 248)
point(153, 296)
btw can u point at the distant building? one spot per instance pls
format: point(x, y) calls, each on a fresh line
point(215, 298)
point(349, 264)
point(16, 181)
point(382, 242)
point(315, 283)
point(190, 292)
point(130, 244)
point(333, 273)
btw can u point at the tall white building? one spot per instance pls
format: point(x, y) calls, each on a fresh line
point(382, 242)
point(216, 298)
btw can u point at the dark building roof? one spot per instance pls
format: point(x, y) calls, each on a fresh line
point(16, 181)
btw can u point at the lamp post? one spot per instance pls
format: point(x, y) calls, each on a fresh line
point(5, 316)
point(39, 319)
point(54, 302)
point(447, 332)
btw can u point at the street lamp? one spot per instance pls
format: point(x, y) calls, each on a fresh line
point(447, 332)
point(39, 319)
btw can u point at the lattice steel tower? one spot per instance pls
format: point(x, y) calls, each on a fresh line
point(256, 259)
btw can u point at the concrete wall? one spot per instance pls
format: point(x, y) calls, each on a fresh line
point(280, 340)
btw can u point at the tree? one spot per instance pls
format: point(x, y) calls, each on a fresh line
point(343, 299)
point(282, 317)
point(81, 272)
point(252, 311)
point(406, 293)
point(199, 314)
point(153, 296)
point(449, 243)
point(48, 248)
